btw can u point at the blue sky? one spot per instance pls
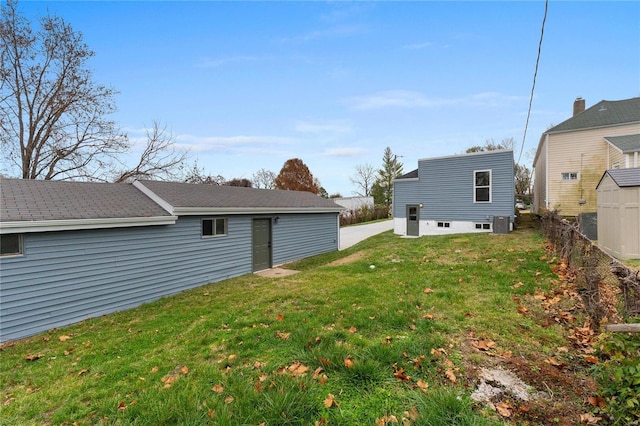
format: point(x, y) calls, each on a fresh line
point(248, 85)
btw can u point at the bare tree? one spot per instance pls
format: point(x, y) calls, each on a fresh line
point(199, 175)
point(53, 121)
point(264, 178)
point(364, 179)
point(160, 159)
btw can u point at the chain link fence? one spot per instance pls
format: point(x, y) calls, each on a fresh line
point(601, 279)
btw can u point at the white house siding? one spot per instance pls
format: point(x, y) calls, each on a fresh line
point(615, 156)
point(584, 152)
point(540, 178)
point(619, 219)
point(65, 277)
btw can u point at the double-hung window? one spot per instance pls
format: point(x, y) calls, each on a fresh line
point(482, 186)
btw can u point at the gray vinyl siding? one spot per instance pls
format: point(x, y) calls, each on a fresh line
point(447, 185)
point(304, 235)
point(65, 277)
point(405, 192)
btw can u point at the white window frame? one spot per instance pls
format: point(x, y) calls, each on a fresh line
point(476, 187)
point(214, 227)
point(569, 176)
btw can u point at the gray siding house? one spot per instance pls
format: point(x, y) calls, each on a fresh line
point(456, 194)
point(76, 250)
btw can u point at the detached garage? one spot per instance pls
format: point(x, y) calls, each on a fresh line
point(619, 213)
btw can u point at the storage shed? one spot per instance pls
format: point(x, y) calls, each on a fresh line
point(618, 195)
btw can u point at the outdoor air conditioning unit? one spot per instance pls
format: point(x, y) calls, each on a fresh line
point(501, 224)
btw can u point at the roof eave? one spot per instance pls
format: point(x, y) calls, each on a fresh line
point(21, 227)
point(201, 211)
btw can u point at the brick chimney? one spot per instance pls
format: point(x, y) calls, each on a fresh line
point(578, 106)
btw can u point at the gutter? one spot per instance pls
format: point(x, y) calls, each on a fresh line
point(23, 227)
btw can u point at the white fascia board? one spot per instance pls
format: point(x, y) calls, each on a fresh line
point(406, 180)
point(22, 227)
point(154, 197)
point(200, 211)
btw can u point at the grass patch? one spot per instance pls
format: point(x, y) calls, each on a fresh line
point(249, 350)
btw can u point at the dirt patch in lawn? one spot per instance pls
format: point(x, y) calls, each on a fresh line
point(349, 259)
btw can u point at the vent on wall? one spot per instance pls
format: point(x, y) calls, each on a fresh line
point(501, 224)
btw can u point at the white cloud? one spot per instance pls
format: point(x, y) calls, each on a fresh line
point(226, 143)
point(413, 99)
point(333, 32)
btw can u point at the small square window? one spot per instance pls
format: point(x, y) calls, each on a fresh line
point(214, 227)
point(478, 226)
point(10, 245)
point(486, 226)
point(570, 176)
point(444, 224)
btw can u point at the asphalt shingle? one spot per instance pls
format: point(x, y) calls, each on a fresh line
point(604, 113)
point(40, 200)
point(625, 177)
point(627, 144)
point(185, 195)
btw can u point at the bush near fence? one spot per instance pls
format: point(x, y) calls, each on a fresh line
point(364, 214)
point(596, 273)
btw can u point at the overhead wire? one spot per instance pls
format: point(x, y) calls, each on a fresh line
point(535, 74)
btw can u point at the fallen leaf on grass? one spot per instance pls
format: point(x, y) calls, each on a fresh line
point(64, 338)
point(518, 284)
point(386, 420)
point(484, 345)
point(553, 361)
point(348, 362)
point(504, 409)
point(427, 291)
point(451, 375)
point(352, 330)
point(591, 359)
point(82, 372)
point(597, 401)
point(589, 419)
point(281, 335)
point(280, 317)
point(298, 369)
point(33, 357)
point(218, 388)
point(422, 385)
point(228, 400)
point(122, 406)
point(330, 401)
point(428, 316)
point(523, 310)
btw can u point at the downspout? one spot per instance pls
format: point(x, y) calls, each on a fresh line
point(546, 172)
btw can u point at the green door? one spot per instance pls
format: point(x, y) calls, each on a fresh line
point(413, 220)
point(261, 244)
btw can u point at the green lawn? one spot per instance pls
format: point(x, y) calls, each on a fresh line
point(339, 343)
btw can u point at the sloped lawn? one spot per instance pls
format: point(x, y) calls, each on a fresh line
point(391, 331)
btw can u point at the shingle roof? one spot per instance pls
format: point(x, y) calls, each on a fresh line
point(43, 200)
point(411, 175)
point(626, 144)
point(625, 177)
point(604, 113)
point(188, 195)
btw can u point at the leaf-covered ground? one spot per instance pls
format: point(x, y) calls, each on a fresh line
point(341, 342)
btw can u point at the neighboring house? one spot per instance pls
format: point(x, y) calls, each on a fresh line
point(353, 204)
point(75, 250)
point(619, 213)
point(462, 193)
point(572, 156)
